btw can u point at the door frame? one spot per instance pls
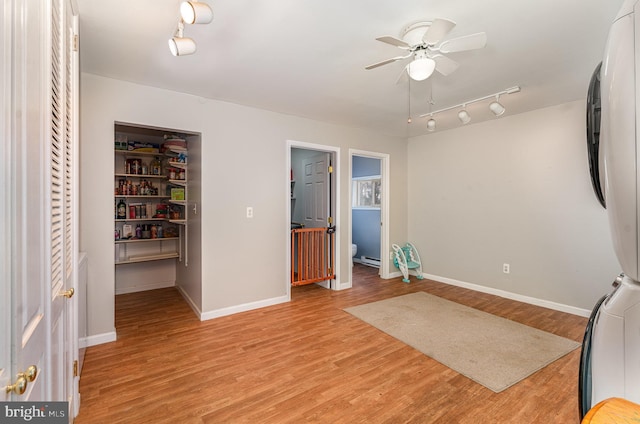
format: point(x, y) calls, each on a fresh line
point(5, 201)
point(335, 157)
point(385, 256)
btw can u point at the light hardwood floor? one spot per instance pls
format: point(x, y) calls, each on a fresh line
point(308, 361)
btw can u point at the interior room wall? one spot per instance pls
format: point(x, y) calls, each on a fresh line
point(513, 190)
point(365, 222)
point(243, 155)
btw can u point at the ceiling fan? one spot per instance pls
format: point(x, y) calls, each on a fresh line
point(423, 41)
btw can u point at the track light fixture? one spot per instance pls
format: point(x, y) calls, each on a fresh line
point(495, 107)
point(194, 12)
point(463, 115)
point(431, 125)
point(181, 45)
point(191, 12)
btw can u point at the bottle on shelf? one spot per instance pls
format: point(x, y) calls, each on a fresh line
point(156, 166)
point(121, 210)
point(138, 231)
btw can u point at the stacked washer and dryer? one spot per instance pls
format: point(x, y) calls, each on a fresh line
point(610, 363)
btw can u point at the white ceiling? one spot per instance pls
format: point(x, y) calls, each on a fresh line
point(307, 57)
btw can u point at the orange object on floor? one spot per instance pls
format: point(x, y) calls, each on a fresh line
point(613, 411)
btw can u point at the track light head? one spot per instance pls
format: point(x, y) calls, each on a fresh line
point(179, 45)
point(431, 125)
point(194, 12)
point(496, 107)
point(464, 117)
point(182, 46)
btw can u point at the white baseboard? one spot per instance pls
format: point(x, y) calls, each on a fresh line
point(395, 274)
point(190, 302)
point(97, 339)
point(513, 296)
point(343, 285)
point(242, 308)
point(135, 289)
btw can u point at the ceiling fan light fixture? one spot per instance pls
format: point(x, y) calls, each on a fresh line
point(194, 12)
point(464, 117)
point(496, 107)
point(421, 68)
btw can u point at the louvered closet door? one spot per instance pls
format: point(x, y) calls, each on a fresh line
point(61, 209)
point(42, 198)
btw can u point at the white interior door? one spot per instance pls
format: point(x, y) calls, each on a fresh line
point(316, 190)
point(29, 240)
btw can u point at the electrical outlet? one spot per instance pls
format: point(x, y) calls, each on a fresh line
point(249, 212)
point(506, 268)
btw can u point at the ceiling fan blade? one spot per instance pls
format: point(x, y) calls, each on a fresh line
point(404, 75)
point(438, 29)
point(444, 65)
point(394, 41)
point(468, 42)
point(384, 62)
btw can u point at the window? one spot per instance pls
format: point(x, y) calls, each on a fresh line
point(366, 192)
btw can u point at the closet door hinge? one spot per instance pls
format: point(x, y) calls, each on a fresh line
point(75, 368)
point(75, 42)
point(330, 169)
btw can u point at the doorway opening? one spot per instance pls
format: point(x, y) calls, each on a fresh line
point(311, 204)
point(157, 185)
point(369, 206)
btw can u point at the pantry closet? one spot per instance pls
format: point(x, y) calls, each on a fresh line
point(156, 199)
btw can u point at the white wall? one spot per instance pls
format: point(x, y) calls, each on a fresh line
point(243, 164)
point(513, 190)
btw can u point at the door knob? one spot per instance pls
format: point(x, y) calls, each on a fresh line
point(68, 293)
point(19, 387)
point(23, 380)
point(30, 374)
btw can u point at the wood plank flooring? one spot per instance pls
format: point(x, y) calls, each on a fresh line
point(308, 361)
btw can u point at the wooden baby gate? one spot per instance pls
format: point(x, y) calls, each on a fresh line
point(312, 255)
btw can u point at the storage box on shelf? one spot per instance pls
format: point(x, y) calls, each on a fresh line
point(177, 189)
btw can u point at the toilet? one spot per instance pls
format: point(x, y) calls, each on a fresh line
point(354, 250)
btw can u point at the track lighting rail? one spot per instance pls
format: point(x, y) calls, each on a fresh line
point(511, 90)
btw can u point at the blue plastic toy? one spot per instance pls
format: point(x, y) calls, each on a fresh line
point(406, 258)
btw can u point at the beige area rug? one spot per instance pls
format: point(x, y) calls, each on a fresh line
point(490, 350)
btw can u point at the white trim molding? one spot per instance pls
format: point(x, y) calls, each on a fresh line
point(385, 176)
point(513, 296)
point(97, 339)
point(217, 313)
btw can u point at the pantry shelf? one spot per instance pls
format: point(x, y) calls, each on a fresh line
point(122, 241)
point(137, 259)
point(162, 177)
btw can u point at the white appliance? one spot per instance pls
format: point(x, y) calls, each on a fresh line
point(610, 364)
